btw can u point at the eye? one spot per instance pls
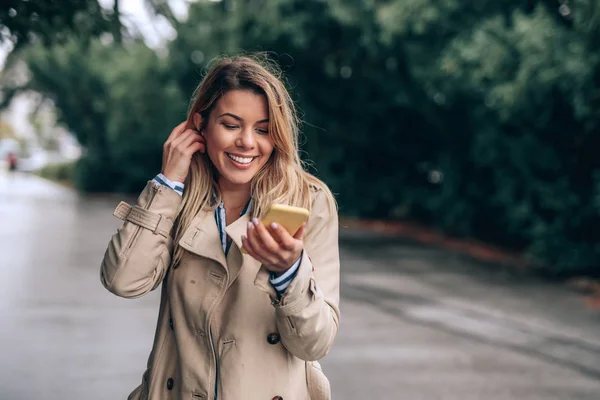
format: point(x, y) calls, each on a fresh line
point(262, 131)
point(229, 126)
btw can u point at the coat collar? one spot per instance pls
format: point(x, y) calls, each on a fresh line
point(202, 237)
point(238, 228)
point(235, 232)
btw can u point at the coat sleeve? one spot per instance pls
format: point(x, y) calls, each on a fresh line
point(139, 254)
point(308, 313)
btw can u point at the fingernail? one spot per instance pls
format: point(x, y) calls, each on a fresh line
point(255, 221)
point(250, 226)
point(274, 225)
point(243, 237)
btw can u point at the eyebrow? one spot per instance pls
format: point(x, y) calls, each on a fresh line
point(240, 118)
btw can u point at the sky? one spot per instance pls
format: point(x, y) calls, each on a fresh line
point(135, 15)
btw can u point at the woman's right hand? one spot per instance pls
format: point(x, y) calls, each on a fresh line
point(178, 151)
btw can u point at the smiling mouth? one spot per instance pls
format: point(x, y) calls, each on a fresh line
point(241, 160)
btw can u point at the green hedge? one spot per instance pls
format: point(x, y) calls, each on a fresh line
point(63, 172)
point(482, 120)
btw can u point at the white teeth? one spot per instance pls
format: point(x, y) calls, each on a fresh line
point(241, 160)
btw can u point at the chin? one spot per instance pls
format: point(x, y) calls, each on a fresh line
point(238, 179)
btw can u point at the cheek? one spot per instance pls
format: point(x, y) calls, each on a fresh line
point(213, 153)
point(267, 147)
point(212, 156)
point(214, 143)
point(210, 147)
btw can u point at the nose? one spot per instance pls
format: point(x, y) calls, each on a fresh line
point(246, 138)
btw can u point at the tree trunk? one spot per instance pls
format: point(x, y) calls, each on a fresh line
point(116, 24)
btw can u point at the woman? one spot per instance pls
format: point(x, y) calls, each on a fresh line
point(232, 326)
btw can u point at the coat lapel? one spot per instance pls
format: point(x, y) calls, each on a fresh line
point(235, 258)
point(202, 238)
point(235, 232)
point(238, 228)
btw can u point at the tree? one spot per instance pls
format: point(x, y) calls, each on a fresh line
point(116, 114)
point(49, 21)
point(481, 119)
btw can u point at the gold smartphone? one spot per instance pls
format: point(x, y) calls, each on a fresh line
point(289, 217)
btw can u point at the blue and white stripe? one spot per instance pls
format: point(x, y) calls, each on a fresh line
point(163, 180)
point(279, 281)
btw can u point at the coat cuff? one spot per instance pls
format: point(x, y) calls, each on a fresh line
point(301, 291)
point(281, 281)
point(160, 200)
point(163, 180)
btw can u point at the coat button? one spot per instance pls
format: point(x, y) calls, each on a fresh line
point(273, 338)
point(170, 383)
point(171, 323)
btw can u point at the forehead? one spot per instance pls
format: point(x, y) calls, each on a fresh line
point(243, 103)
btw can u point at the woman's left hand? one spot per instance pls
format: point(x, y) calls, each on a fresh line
point(275, 248)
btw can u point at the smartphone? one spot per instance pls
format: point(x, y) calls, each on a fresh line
point(289, 217)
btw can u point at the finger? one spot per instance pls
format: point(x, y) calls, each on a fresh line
point(181, 138)
point(264, 255)
point(300, 233)
point(194, 137)
point(176, 131)
point(175, 142)
point(194, 147)
point(202, 143)
point(192, 140)
point(265, 238)
point(249, 242)
point(249, 249)
point(282, 236)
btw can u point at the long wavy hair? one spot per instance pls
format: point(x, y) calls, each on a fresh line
point(283, 178)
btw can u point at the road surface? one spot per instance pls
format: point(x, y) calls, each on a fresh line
point(417, 322)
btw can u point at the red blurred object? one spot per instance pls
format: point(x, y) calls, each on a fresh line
point(12, 161)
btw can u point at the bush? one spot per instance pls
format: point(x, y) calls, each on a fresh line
point(62, 173)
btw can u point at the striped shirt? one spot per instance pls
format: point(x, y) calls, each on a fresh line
point(279, 281)
point(163, 180)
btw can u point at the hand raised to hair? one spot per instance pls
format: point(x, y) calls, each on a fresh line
point(178, 151)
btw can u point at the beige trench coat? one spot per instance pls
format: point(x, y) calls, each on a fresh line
point(220, 326)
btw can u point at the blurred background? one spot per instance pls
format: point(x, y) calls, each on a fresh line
point(481, 119)
point(476, 120)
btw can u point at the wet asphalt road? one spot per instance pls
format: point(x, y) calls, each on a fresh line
point(417, 323)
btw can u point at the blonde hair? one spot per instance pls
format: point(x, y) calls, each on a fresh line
point(283, 178)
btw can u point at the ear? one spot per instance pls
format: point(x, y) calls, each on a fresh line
point(197, 118)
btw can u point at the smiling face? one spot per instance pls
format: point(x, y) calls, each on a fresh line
point(237, 137)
